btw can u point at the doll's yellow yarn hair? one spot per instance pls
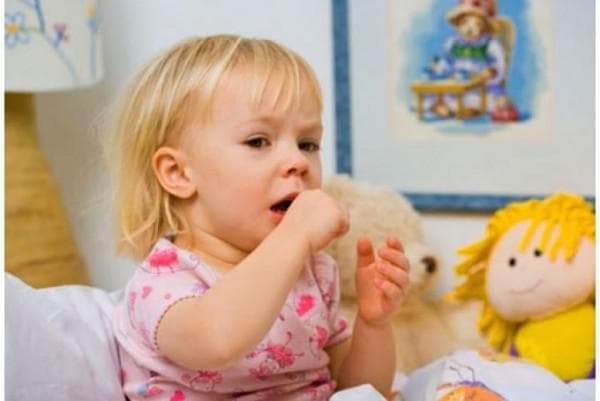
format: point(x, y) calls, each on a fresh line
point(570, 213)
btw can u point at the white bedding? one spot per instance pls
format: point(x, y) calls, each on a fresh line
point(466, 373)
point(59, 346)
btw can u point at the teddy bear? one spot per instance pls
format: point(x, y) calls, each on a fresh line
point(425, 329)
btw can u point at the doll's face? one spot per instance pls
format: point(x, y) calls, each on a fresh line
point(471, 26)
point(524, 285)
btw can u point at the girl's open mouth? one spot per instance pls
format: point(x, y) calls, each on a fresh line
point(282, 206)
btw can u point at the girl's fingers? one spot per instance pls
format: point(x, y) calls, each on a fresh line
point(391, 291)
point(393, 242)
point(393, 274)
point(395, 257)
point(365, 254)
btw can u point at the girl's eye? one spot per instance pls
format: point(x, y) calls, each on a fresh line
point(537, 253)
point(257, 143)
point(309, 146)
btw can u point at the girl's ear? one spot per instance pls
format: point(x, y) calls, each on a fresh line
point(170, 167)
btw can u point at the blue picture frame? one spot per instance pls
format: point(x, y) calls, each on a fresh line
point(423, 201)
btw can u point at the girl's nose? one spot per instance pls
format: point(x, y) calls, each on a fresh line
point(295, 162)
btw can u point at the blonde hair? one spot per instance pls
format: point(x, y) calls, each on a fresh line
point(570, 213)
point(154, 110)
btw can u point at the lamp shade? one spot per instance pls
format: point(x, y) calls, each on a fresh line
point(51, 45)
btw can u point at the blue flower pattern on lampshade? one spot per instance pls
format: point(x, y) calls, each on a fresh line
point(15, 31)
point(62, 35)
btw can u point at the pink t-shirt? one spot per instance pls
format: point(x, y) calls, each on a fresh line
point(289, 364)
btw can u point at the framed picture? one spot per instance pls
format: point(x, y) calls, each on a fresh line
point(465, 105)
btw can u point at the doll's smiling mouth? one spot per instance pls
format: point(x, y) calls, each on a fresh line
point(526, 289)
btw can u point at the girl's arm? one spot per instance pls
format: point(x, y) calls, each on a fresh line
point(217, 329)
point(369, 357)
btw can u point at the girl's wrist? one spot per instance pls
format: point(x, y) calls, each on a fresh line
point(290, 232)
point(383, 325)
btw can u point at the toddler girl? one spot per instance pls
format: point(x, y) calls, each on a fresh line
point(218, 194)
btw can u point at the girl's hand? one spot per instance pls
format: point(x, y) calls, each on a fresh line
point(381, 281)
point(319, 217)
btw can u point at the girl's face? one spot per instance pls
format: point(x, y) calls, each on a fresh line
point(246, 162)
point(528, 285)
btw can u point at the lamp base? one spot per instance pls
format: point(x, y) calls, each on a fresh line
point(39, 246)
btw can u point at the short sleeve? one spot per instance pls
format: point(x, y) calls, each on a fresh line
point(328, 281)
point(168, 276)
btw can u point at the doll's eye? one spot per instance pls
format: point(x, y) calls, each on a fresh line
point(537, 253)
point(512, 262)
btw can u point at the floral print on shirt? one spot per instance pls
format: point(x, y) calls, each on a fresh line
point(289, 364)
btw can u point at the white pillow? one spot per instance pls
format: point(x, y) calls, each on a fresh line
point(59, 344)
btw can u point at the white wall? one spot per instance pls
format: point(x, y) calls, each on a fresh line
point(133, 31)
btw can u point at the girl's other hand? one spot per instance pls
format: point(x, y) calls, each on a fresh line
point(381, 280)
